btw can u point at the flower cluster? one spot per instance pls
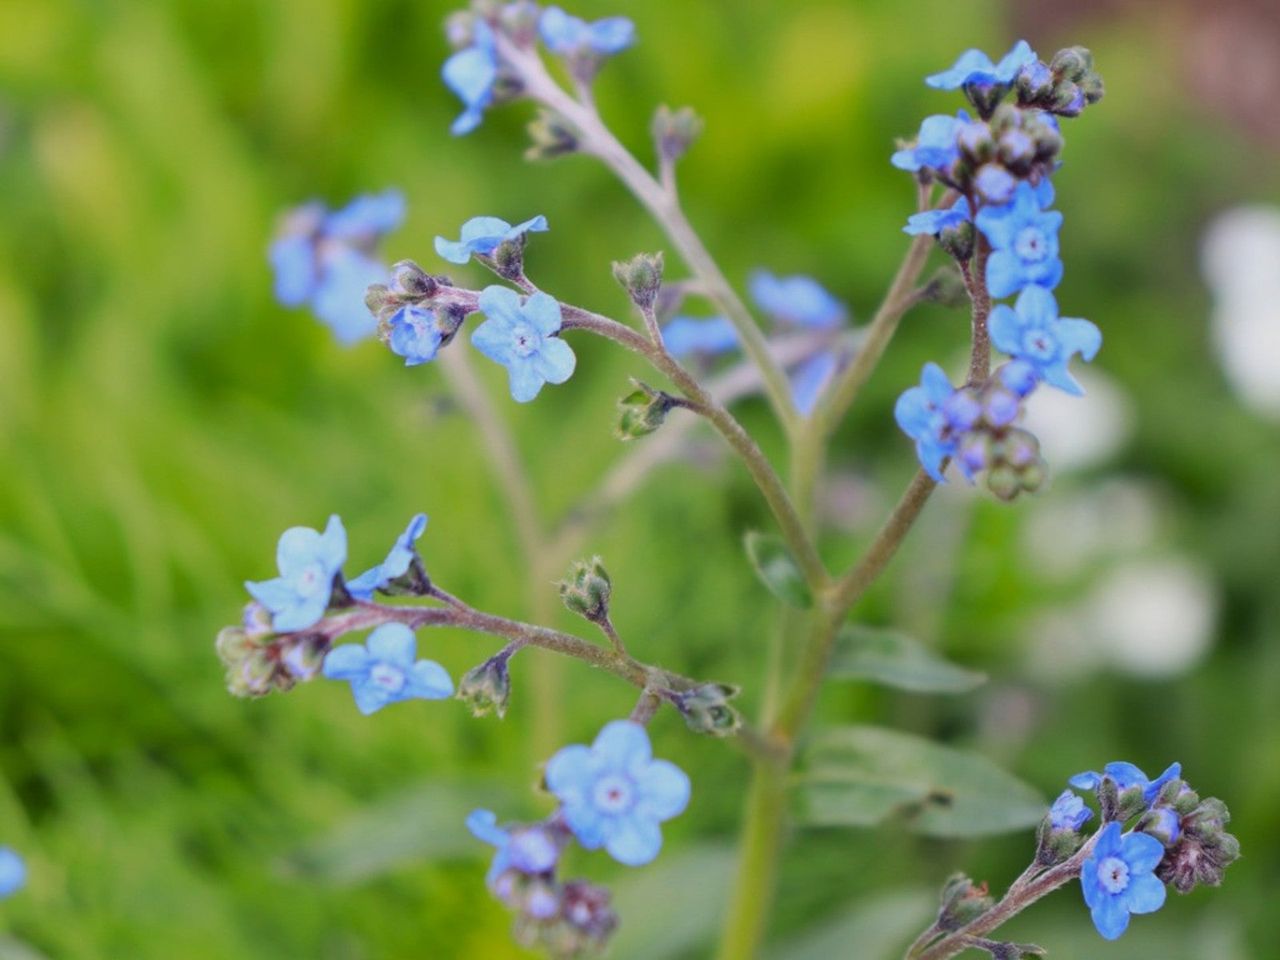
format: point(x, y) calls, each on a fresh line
point(612, 794)
point(326, 259)
point(995, 221)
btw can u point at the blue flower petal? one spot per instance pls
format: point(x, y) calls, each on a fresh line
point(633, 841)
point(339, 296)
point(543, 313)
point(393, 643)
point(293, 260)
point(524, 379)
point(664, 790)
point(1110, 916)
point(502, 304)
point(483, 825)
point(1145, 894)
point(571, 772)
point(13, 872)
point(351, 661)
point(687, 335)
point(1142, 852)
point(555, 361)
point(624, 745)
point(811, 379)
point(369, 696)
point(429, 681)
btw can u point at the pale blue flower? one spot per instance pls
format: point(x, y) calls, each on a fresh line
point(1119, 879)
point(13, 872)
point(933, 222)
point(975, 67)
point(613, 794)
point(339, 297)
point(684, 336)
point(935, 147)
point(471, 73)
point(1024, 242)
point(797, 300)
point(308, 561)
point(567, 35)
point(520, 336)
point(415, 334)
point(396, 564)
point(383, 670)
point(1032, 331)
point(529, 850)
point(482, 235)
point(922, 413)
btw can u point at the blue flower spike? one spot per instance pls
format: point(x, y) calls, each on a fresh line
point(1024, 242)
point(613, 794)
point(13, 872)
point(570, 36)
point(521, 337)
point(383, 670)
point(471, 74)
point(975, 67)
point(308, 562)
point(800, 301)
point(396, 565)
point(1119, 879)
point(529, 851)
point(1032, 331)
point(480, 236)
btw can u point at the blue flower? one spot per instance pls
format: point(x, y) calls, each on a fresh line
point(308, 561)
point(1069, 812)
point(922, 414)
point(811, 378)
point(935, 147)
point(1118, 879)
point(415, 334)
point(1126, 775)
point(520, 337)
point(1024, 242)
point(935, 221)
point(366, 216)
point(613, 794)
point(798, 300)
point(395, 565)
point(471, 73)
point(527, 850)
point(339, 298)
point(13, 872)
point(683, 336)
point(568, 35)
point(975, 67)
point(482, 235)
point(383, 671)
point(1032, 331)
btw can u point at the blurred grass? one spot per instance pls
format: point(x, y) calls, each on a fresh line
point(161, 420)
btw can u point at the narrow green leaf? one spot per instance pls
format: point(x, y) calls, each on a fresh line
point(777, 569)
point(865, 776)
point(897, 660)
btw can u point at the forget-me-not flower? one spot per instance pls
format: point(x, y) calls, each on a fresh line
point(923, 414)
point(415, 334)
point(933, 222)
point(395, 565)
point(798, 300)
point(935, 147)
point(482, 235)
point(308, 561)
point(1032, 331)
point(1126, 776)
point(528, 850)
point(1068, 812)
point(1119, 879)
point(520, 336)
point(975, 67)
point(613, 794)
point(471, 73)
point(569, 35)
point(683, 336)
point(13, 872)
point(383, 671)
point(1024, 242)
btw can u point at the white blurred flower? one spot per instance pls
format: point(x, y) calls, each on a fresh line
point(1068, 532)
point(1080, 432)
point(1241, 263)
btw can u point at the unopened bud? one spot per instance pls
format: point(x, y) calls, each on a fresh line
point(487, 688)
point(962, 902)
point(706, 709)
point(641, 277)
point(1072, 63)
point(674, 131)
point(586, 590)
point(643, 411)
point(552, 137)
point(410, 282)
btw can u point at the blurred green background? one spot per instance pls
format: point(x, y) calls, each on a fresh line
point(162, 420)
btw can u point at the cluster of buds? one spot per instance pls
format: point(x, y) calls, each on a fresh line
point(1014, 144)
point(1065, 86)
point(983, 423)
point(1194, 831)
point(581, 924)
point(410, 291)
point(258, 662)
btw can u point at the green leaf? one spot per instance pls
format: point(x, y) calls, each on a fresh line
point(896, 660)
point(865, 776)
point(776, 569)
point(881, 927)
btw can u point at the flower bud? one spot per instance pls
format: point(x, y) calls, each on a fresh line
point(962, 902)
point(994, 183)
point(588, 910)
point(643, 411)
point(303, 656)
point(706, 709)
point(1162, 823)
point(487, 688)
point(587, 589)
point(552, 137)
point(1035, 82)
point(233, 645)
point(1202, 851)
point(1072, 63)
point(1003, 481)
point(674, 131)
point(641, 277)
point(957, 241)
point(410, 282)
point(1068, 99)
point(976, 142)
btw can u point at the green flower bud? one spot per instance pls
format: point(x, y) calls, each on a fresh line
point(957, 242)
point(552, 137)
point(706, 709)
point(641, 277)
point(487, 688)
point(1072, 63)
point(1003, 481)
point(233, 645)
point(962, 902)
point(587, 589)
point(643, 411)
point(410, 282)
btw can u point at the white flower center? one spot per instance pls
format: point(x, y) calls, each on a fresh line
point(525, 340)
point(388, 677)
point(1039, 344)
point(1031, 244)
point(613, 794)
point(1113, 874)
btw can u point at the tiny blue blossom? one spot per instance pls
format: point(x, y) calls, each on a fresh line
point(471, 73)
point(415, 334)
point(13, 872)
point(975, 67)
point(1069, 812)
point(798, 300)
point(683, 336)
point(994, 184)
point(811, 378)
point(935, 221)
point(1024, 242)
point(1119, 879)
point(568, 35)
point(935, 147)
point(308, 561)
point(383, 670)
point(613, 794)
point(520, 336)
point(921, 412)
point(527, 850)
point(1126, 775)
point(482, 235)
point(396, 564)
point(1032, 331)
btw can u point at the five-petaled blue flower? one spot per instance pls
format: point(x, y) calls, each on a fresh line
point(799, 300)
point(1118, 879)
point(1126, 775)
point(613, 794)
point(935, 147)
point(1024, 241)
point(482, 235)
point(13, 872)
point(683, 336)
point(415, 334)
point(529, 850)
point(308, 561)
point(1068, 812)
point(396, 564)
point(383, 671)
point(568, 35)
point(471, 74)
point(1032, 331)
point(925, 415)
point(975, 67)
point(933, 222)
point(326, 259)
point(520, 337)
